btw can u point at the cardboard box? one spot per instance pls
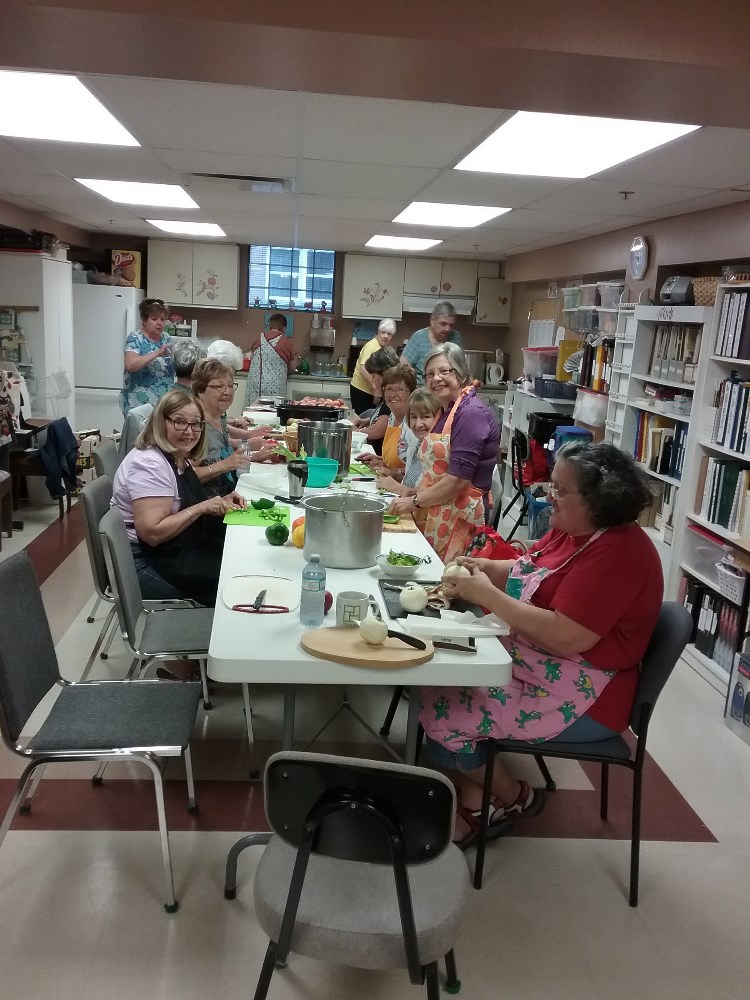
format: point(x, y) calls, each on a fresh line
point(126, 264)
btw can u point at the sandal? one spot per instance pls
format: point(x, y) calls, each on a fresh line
point(473, 824)
point(498, 823)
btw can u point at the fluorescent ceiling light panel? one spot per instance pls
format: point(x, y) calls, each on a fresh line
point(140, 193)
point(401, 243)
point(433, 213)
point(57, 107)
point(542, 145)
point(187, 228)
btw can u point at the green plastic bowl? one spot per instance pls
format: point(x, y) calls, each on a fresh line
point(321, 472)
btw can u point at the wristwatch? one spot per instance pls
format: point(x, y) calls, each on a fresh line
point(415, 501)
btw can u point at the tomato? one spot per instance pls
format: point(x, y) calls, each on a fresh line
point(297, 522)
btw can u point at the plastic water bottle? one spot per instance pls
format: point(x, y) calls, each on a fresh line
point(312, 600)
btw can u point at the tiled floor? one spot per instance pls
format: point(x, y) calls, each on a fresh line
point(80, 909)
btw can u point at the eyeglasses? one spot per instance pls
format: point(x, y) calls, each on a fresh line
point(441, 373)
point(557, 494)
point(394, 390)
point(180, 424)
point(222, 386)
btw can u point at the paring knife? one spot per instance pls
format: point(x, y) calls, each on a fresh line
point(410, 640)
point(258, 602)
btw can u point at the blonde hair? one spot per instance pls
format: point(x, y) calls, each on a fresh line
point(423, 403)
point(154, 433)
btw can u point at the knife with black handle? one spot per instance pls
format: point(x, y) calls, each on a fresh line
point(410, 640)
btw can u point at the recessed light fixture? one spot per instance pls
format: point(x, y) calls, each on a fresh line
point(433, 213)
point(543, 145)
point(58, 107)
point(141, 193)
point(401, 243)
point(187, 228)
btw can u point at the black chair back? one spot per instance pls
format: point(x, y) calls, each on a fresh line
point(418, 802)
point(28, 663)
point(519, 451)
point(671, 633)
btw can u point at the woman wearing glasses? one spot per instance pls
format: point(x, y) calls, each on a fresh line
point(176, 530)
point(458, 458)
point(214, 386)
point(149, 371)
point(581, 606)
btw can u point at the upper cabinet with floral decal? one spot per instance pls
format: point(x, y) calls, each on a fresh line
point(194, 274)
point(373, 286)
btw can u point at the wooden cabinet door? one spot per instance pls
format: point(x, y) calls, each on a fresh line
point(373, 286)
point(458, 277)
point(493, 301)
point(215, 275)
point(422, 276)
point(170, 271)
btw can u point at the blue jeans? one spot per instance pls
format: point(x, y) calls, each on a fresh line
point(153, 586)
point(583, 730)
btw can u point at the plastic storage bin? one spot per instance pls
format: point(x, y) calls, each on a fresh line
point(590, 408)
point(607, 321)
point(589, 295)
point(588, 319)
point(550, 388)
point(609, 293)
point(571, 297)
point(539, 361)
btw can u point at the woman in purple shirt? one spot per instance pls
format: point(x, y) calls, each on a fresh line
point(459, 456)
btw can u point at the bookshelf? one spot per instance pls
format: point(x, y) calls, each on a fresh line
point(716, 487)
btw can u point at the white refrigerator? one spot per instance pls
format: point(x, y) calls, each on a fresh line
point(103, 316)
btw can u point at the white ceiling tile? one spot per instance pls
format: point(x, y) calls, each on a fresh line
point(74, 159)
point(715, 199)
point(594, 195)
point(187, 161)
point(348, 208)
point(467, 187)
point(407, 133)
point(538, 220)
point(22, 156)
point(230, 198)
point(54, 187)
point(356, 180)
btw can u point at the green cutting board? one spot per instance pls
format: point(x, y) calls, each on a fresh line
point(360, 469)
point(257, 518)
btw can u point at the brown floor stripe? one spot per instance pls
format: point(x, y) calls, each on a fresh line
point(53, 545)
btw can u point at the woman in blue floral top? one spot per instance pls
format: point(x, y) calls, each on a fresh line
point(149, 371)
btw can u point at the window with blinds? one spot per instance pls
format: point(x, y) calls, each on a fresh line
point(290, 278)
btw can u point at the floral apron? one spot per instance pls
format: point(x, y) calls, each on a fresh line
point(390, 453)
point(449, 526)
point(268, 371)
point(545, 695)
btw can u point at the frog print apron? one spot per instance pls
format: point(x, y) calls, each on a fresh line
point(268, 371)
point(545, 695)
point(448, 527)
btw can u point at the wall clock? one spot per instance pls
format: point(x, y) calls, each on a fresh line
point(638, 262)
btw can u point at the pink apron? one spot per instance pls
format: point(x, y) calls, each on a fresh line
point(545, 695)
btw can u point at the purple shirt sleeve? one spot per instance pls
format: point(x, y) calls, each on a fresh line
point(473, 446)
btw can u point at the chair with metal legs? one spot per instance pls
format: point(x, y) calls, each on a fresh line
point(519, 452)
point(106, 459)
point(95, 497)
point(141, 721)
point(366, 839)
point(672, 631)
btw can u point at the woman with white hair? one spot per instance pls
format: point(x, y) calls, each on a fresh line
point(362, 389)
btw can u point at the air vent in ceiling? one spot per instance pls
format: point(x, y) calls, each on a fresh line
point(243, 182)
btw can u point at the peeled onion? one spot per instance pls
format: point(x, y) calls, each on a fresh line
point(413, 598)
point(373, 630)
point(453, 570)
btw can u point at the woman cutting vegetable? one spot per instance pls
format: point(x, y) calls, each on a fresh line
point(581, 606)
point(176, 530)
point(458, 456)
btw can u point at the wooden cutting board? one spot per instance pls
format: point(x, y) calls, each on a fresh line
point(345, 645)
point(405, 524)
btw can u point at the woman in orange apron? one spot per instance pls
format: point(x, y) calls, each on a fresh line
point(399, 383)
point(458, 458)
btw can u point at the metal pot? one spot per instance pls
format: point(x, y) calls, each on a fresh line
point(476, 360)
point(344, 529)
point(322, 439)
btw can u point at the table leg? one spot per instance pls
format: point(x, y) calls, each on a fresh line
point(412, 726)
point(287, 733)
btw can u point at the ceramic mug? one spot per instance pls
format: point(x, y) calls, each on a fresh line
point(351, 608)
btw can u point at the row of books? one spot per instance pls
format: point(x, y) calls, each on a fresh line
point(717, 623)
point(596, 366)
point(675, 352)
point(660, 443)
point(733, 333)
point(723, 494)
point(659, 514)
point(732, 424)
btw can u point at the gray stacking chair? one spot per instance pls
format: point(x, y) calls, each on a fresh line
point(106, 459)
point(140, 721)
point(360, 869)
point(95, 497)
point(159, 634)
point(672, 631)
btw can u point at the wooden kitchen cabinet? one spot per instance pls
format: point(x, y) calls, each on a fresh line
point(194, 274)
point(373, 286)
point(444, 278)
point(493, 302)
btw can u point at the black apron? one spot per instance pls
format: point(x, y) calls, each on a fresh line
point(190, 561)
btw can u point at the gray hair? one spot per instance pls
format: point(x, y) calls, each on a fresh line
point(613, 487)
point(387, 326)
point(185, 354)
point(456, 359)
point(443, 309)
point(380, 361)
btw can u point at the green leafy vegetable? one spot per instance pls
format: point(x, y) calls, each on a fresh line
point(280, 449)
point(405, 559)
